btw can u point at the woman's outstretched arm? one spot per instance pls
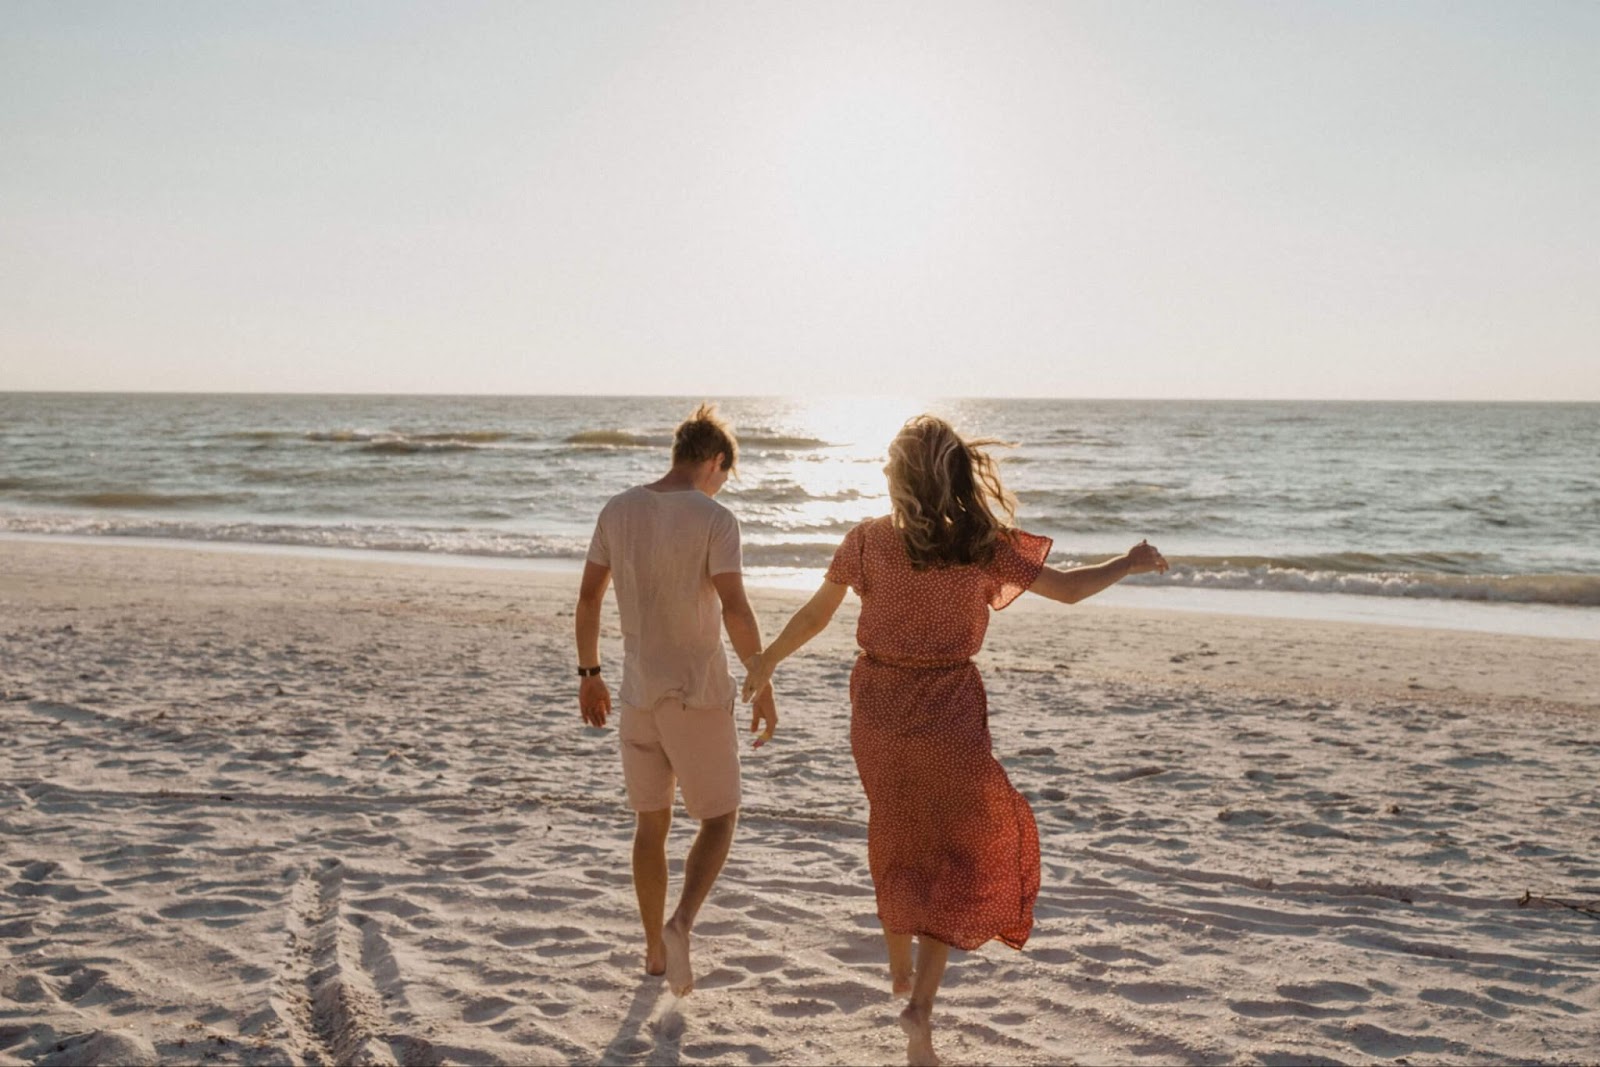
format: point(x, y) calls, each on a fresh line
point(807, 623)
point(1071, 586)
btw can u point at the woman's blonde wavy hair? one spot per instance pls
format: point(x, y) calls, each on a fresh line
point(945, 494)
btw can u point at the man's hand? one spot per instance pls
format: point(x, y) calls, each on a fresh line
point(594, 700)
point(763, 709)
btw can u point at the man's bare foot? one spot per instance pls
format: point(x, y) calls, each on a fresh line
point(655, 959)
point(675, 943)
point(900, 983)
point(917, 1022)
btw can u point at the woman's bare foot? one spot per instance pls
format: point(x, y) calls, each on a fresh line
point(917, 1022)
point(900, 983)
point(655, 959)
point(675, 943)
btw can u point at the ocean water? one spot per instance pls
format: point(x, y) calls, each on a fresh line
point(1449, 503)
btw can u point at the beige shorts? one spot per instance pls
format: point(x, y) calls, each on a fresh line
point(696, 749)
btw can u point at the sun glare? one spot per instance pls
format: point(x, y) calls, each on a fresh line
point(861, 427)
point(838, 484)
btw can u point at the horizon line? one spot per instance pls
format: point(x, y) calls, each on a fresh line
point(798, 396)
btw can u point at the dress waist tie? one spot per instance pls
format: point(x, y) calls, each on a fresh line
point(912, 664)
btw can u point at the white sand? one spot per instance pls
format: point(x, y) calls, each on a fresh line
point(272, 808)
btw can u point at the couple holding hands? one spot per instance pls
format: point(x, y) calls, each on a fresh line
point(952, 847)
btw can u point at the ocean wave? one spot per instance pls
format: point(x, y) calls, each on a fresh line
point(401, 446)
point(137, 500)
point(617, 439)
point(395, 441)
point(780, 442)
point(1068, 442)
point(470, 437)
point(783, 492)
point(453, 540)
point(1458, 563)
point(769, 442)
point(322, 474)
point(1425, 575)
point(809, 555)
point(1113, 497)
point(1572, 590)
point(1352, 574)
point(339, 437)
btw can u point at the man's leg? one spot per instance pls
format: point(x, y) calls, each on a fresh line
point(648, 776)
point(700, 870)
point(650, 882)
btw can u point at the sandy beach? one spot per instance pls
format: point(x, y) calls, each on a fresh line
point(273, 807)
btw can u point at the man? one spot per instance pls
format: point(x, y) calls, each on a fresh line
point(675, 555)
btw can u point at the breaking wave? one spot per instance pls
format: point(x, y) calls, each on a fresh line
point(632, 439)
point(1360, 574)
point(1431, 575)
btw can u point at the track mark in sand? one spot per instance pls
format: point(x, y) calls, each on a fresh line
point(344, 1006)
point(1129, 774)
point(332, 1004)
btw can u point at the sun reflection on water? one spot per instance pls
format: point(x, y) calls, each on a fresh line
point(861, 426)
point(799, 502)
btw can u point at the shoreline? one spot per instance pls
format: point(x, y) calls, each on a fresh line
point(1104, 640)
point(1486, 617)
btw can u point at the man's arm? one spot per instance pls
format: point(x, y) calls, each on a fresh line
point(594, 697)
point(745, 634)
point(737, 615)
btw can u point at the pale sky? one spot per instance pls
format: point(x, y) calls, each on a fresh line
point(1118, 199)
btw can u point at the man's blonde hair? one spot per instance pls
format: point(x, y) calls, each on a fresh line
point(705, 435)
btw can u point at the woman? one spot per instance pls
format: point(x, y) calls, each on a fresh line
point(953, 849)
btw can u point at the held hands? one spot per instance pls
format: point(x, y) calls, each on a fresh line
point(594, 700)
point(1143, 558)
point(757, 693)
point(758, 674)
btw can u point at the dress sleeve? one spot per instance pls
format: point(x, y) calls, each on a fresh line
point(847, 567)
point(1018, 559)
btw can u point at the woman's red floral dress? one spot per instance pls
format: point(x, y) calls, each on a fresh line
point(953, 847)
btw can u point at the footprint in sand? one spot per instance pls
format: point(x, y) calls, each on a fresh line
point(1158, 992)
point(529, 935)
point(757, 964)
point(209, 908)
point(802, 1009)
point(486, 1009)
point(1326, 992)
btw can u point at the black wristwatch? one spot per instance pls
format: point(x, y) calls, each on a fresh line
point(589, 672)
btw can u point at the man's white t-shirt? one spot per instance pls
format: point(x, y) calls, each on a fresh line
point(662, 549)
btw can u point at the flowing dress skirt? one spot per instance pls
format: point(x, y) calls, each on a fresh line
point(953, 848)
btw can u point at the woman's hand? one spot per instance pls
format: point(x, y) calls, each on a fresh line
point(758, 675)
point(1143, 558)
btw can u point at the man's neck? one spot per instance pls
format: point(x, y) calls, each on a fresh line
point(675, 480)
